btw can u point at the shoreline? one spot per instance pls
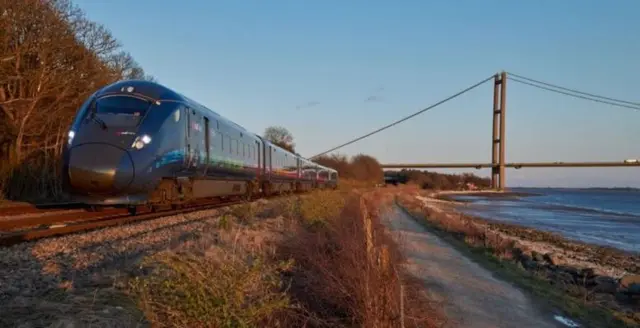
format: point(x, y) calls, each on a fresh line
point(531, 232)
point(584, 272)
point(447, 198)
point(447, 195)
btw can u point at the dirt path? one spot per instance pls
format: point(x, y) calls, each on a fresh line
point(472, 296)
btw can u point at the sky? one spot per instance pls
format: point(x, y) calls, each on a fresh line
point(330, 71)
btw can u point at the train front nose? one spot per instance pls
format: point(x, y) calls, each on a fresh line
point(99, 168)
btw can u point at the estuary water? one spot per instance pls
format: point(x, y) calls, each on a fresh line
point(597, 216)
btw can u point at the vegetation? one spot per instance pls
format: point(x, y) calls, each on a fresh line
point(281, 137)
point(51, 59)
point(324, 261)
point(367, 168)
point(441, 181)
point(360, 167)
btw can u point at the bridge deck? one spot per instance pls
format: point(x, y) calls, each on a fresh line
point(511, 165)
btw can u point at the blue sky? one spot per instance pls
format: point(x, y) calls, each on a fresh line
point(256, 61)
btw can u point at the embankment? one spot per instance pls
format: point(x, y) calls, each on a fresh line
point(316, 260)
point(594, 284)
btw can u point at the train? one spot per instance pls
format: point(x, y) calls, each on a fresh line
point(137, 142)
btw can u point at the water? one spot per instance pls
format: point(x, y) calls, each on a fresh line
point(602, 217)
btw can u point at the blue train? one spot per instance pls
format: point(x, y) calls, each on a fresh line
point(138, 142)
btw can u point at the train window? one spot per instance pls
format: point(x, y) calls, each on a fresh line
point(230, 146)
point(237, 147)
point(126, 105)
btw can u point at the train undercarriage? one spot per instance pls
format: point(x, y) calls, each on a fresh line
point(177, 192)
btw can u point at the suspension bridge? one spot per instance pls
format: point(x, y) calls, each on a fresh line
point(498, 162)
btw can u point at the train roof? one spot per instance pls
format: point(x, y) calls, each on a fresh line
point(140, 87)
point(160, 92)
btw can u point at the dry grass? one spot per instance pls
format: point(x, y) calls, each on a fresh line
point(317, 260)
point(227, 290)
point(347, 271)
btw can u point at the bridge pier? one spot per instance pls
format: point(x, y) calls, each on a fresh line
point(498, 160)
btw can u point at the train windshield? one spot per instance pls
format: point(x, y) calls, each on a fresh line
point(126, 105)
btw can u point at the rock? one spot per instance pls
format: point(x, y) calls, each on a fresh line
point(629, 280)
point(588, 273)
point(605, 284)
point(529, 264)
point(571, 270)
point(517, 252)
point(552, 258)
point(537, 256)
point(562, 276)
point(634, 289)
point(630, 285)
point(607, 300)
point(524, 257)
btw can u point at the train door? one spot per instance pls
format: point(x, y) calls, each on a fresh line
point(258, 158)
point(188, 157)
point(207, 145)
point(269, 160)
point(194, 142)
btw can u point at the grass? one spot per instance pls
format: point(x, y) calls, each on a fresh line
point(104, 307)
point(226, 291)
point(496, 255)
point(316, 260)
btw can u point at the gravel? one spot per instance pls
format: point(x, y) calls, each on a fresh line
point(36, 272)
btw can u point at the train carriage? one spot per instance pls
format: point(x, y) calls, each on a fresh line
point(281, 172)
point(138, 142)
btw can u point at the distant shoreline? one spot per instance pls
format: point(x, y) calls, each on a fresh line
point(585, 188)
point(451, 195)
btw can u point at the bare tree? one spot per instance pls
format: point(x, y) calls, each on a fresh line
point(280, 136)
point(51, 59)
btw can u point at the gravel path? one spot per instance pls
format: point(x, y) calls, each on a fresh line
point(32, 274)
point(472, 296)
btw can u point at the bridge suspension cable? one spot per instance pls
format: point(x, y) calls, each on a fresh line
point(573, 92)
point(407, 117)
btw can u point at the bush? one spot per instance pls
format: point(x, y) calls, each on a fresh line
point(360, 167)
point(441, 181)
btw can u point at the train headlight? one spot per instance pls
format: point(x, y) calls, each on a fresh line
point(141, 141)
point(71, 135)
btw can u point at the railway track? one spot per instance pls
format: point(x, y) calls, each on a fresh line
point(19, 230)
point(38, 208)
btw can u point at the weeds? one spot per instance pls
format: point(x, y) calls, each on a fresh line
point(227, 291)
point(347, 270)
point(333, 265)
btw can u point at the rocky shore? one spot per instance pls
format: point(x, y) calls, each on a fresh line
point(604, 277)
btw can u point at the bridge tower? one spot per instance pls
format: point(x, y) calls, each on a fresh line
point(498, 139)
